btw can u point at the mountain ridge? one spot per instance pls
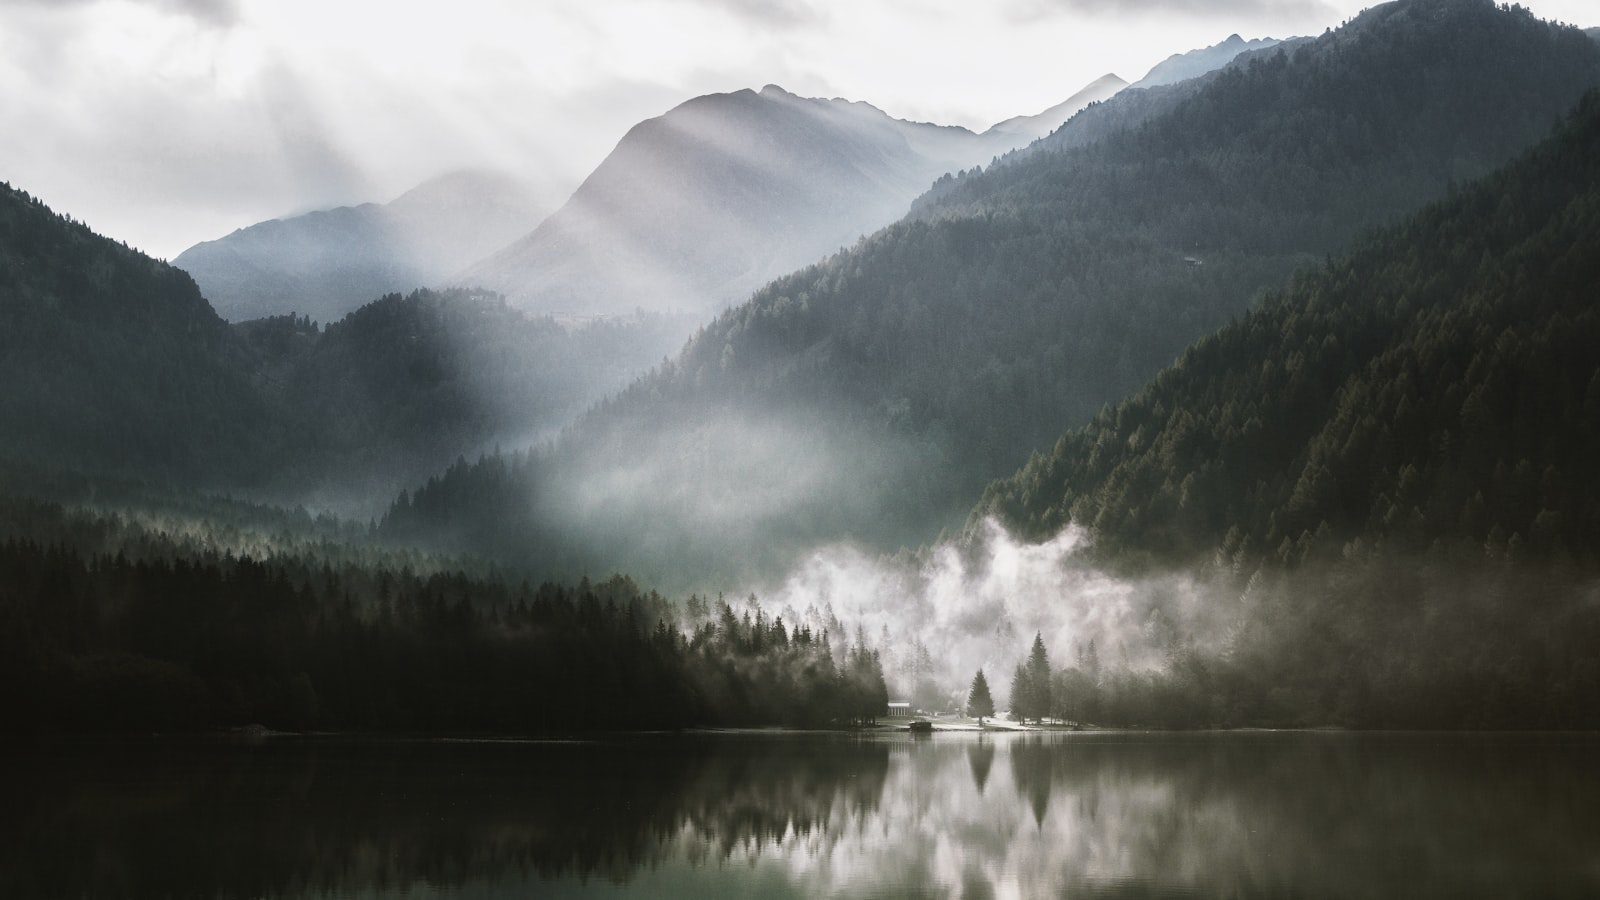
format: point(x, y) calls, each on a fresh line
point(326, 263)
point(1184, 66)
point(1040, 124)
point(696, 208)
point(161, 389)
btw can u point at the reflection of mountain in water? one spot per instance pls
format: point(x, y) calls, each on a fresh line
point(709, 815)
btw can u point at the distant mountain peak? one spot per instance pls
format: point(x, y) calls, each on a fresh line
point(1040, 124)
point(459, 181)
point(699, 206)
point(1184, 66)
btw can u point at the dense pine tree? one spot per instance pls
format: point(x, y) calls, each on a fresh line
point(979, 703)
point(1030, 685)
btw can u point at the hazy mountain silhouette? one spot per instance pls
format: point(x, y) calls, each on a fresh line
point(1037, 126)
point(327, 263)
point(116, 365)
point(698, 207)
point(1184, 66)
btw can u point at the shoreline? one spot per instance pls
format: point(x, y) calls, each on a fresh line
point(254, 738)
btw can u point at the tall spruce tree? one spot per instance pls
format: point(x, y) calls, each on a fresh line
point(878, 693)
point(1038, 680)
point(1020, 704)
point(979, 702)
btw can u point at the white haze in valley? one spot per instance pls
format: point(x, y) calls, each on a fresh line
point(978, 602)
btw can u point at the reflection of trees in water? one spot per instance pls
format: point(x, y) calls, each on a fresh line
point(189, 820)
point(1032, 760)
point(980, 756)
point(1259, 814)
point(1328, 814)
point(749, 794)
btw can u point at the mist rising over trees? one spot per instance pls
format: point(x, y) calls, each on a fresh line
point(1390, 457)
point(1031, 690)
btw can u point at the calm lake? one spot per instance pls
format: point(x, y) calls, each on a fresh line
point(1007, 815)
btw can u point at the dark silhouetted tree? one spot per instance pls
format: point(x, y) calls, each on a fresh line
point(979, 702)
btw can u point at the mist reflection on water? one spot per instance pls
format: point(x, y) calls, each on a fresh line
point(783, 814)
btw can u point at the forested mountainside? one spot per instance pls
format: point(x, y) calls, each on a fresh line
point(324, 264)
point(118, 366)
point(404, 385)
point(114, 360)
point(698, 207)
point(1438, 386)
point(1385, 473)
point(1136, 104)
point(870, 397)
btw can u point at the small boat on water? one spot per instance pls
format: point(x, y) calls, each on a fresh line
point(920, 726)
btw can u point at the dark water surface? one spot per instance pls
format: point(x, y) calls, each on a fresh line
point(1237, 814)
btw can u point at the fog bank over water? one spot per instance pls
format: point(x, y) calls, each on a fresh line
point(978, 602)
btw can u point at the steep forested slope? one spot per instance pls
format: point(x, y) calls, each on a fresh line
point(112, 360)
point(1384, 478)
point(873, 395)
point(404, 385)
point(1439, 386)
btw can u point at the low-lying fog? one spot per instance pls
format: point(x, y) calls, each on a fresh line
point(977, 602)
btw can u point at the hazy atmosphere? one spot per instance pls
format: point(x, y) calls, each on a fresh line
point(168, 122)
point(702, 448)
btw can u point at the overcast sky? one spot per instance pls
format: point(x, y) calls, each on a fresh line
point(166, 122)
